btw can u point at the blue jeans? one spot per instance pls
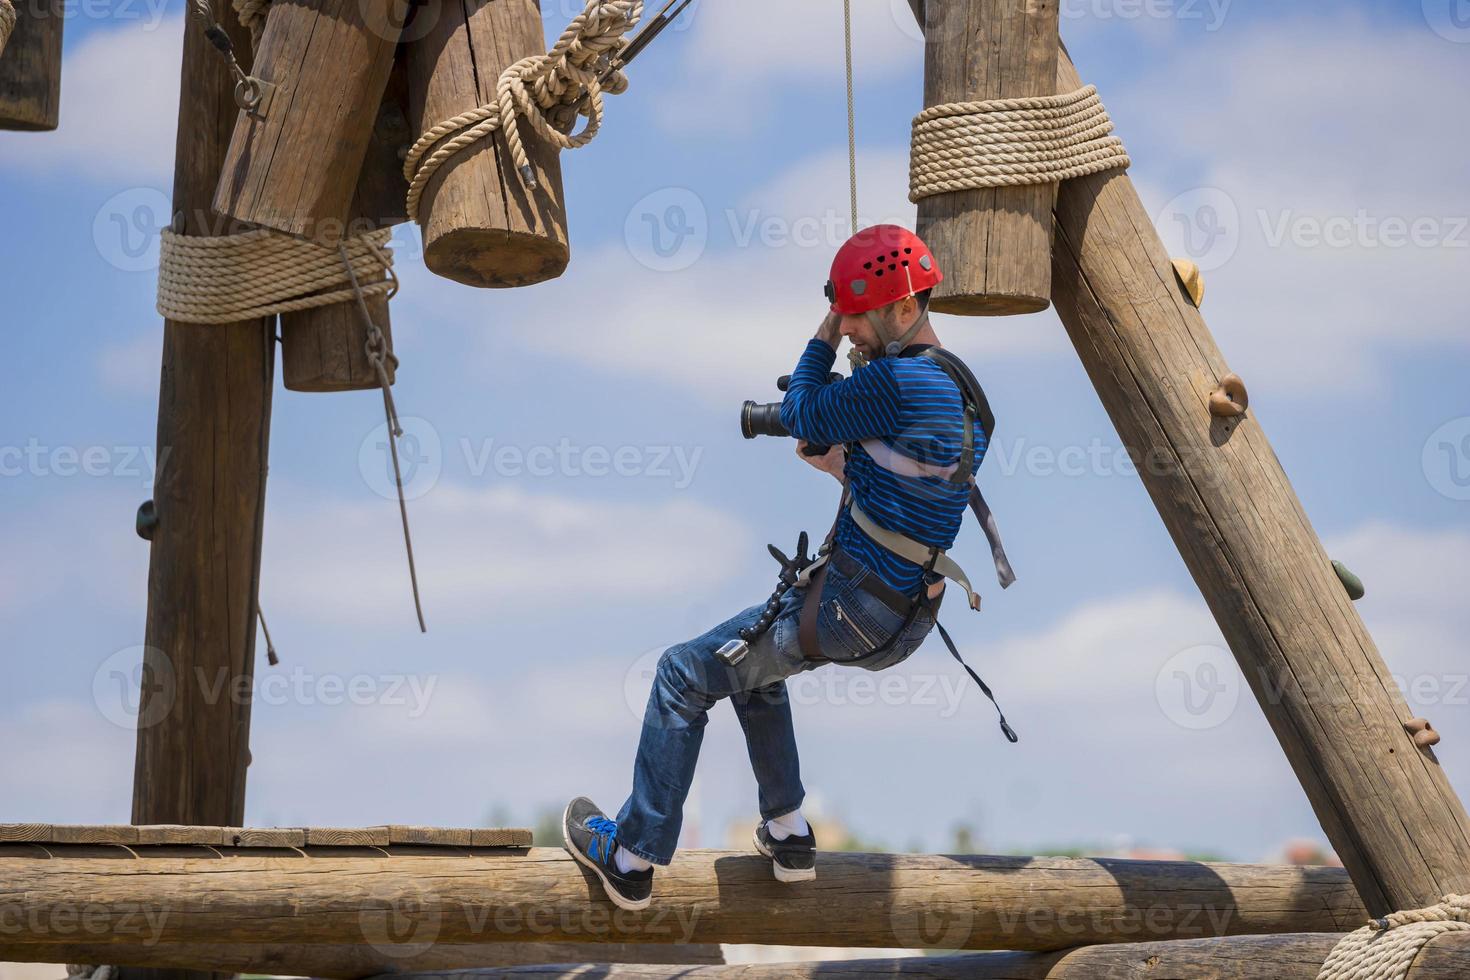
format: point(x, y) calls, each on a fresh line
point(851, 626)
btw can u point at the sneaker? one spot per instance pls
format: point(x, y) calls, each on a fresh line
point(591, 837)
point(792, 858)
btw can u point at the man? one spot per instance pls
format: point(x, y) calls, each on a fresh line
point(906, 443)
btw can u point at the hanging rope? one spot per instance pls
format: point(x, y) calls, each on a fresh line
point(1006, 142)
point(262, 273)
point(379, 356)
point(1386, 948)
point(851, 116)
point(550, 91)
point(7, 22)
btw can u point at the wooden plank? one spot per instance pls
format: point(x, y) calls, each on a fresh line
point(93, 834)
point(501, 837)
point(265, 836)
point(24, 832)
point(180, 834)
point(325, 896)
point(436, 836)
point(481, 225)
point(1385, 804)
point(347, 837)
point(30, 68)
point(993, 244)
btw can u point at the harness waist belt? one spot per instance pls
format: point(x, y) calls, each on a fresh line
point(908, 549)
point(869, 582)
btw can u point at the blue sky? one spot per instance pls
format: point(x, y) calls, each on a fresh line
point(1299, 154)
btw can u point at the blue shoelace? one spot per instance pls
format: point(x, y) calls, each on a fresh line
point(600, 847)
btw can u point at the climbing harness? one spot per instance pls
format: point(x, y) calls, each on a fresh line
point(1006, 142)
point(1386, 948)
point(7, 23)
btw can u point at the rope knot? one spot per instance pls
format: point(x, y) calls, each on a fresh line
point(1387, 947)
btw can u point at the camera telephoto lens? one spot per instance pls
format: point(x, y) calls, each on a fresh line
point(761, 420)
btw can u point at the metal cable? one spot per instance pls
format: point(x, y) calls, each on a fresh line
point(851, 116)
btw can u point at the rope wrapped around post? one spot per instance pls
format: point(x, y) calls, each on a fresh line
point(7, 22)
point(1004, 142)
point(550, 91)
point(1386, 948)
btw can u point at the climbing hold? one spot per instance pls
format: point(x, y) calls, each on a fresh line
point(147, 520)
point(1424, 734)
point(1351, 582)
point(1230, 399)
point(1191, 280)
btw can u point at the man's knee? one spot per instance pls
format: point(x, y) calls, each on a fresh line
point(683, 675)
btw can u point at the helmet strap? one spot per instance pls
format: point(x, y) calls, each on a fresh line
point(892, 348)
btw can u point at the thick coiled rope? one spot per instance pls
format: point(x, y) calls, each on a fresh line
point(7, 22)
point(261, 273)
point(1386, 948)
point(1006, 142)
point(550, 91)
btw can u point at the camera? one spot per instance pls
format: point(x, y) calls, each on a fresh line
point(758, 419)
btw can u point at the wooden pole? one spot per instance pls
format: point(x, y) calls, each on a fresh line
point(994, 244)
point(353, 961)
point(30, 67)
point(481, 225)
point(293, 164)
point(1251, 958)
point(204, 570)
point(260, 899)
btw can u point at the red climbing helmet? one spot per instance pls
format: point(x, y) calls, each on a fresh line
point(878, 266)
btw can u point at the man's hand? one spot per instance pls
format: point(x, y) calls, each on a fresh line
point(833, 462)
point(828, 333)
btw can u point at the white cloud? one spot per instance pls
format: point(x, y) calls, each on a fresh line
point(132, 366)
point(119, 107)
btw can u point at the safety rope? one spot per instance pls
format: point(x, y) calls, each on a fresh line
point(1006, 142)
point(1386, 948)
point(261, 273)
point(550, 91)
point(7, 22)
point(851, 115)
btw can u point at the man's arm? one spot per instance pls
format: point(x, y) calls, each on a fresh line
point(863, 406)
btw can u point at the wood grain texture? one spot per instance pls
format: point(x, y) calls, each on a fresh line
point(1252, 958)
point(24, 832)
point(265, 836)
point(1386, 806)
point(500, 837)
point(30, 68)
point(92, 834)
point(408, 897)
point(481, 225)
point(347, 837)
point(204, 569)
point(176, 834)
point(294, 166)
point(349, 962)
point(993, 244)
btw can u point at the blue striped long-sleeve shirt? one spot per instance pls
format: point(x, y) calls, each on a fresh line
point(913, 407)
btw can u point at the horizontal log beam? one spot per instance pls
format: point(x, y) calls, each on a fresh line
point(407, 896)
point(352, 962)
point(1292, 957)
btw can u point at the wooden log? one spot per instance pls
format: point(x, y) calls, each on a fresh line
point(1385, 804)
point(349, 962)
point(324, 349)
point(293, 164)
point(203, 577)
point(481, 224)
point(994, 244)
point(395, 897)
point(1249, 958)
point(30, 67)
